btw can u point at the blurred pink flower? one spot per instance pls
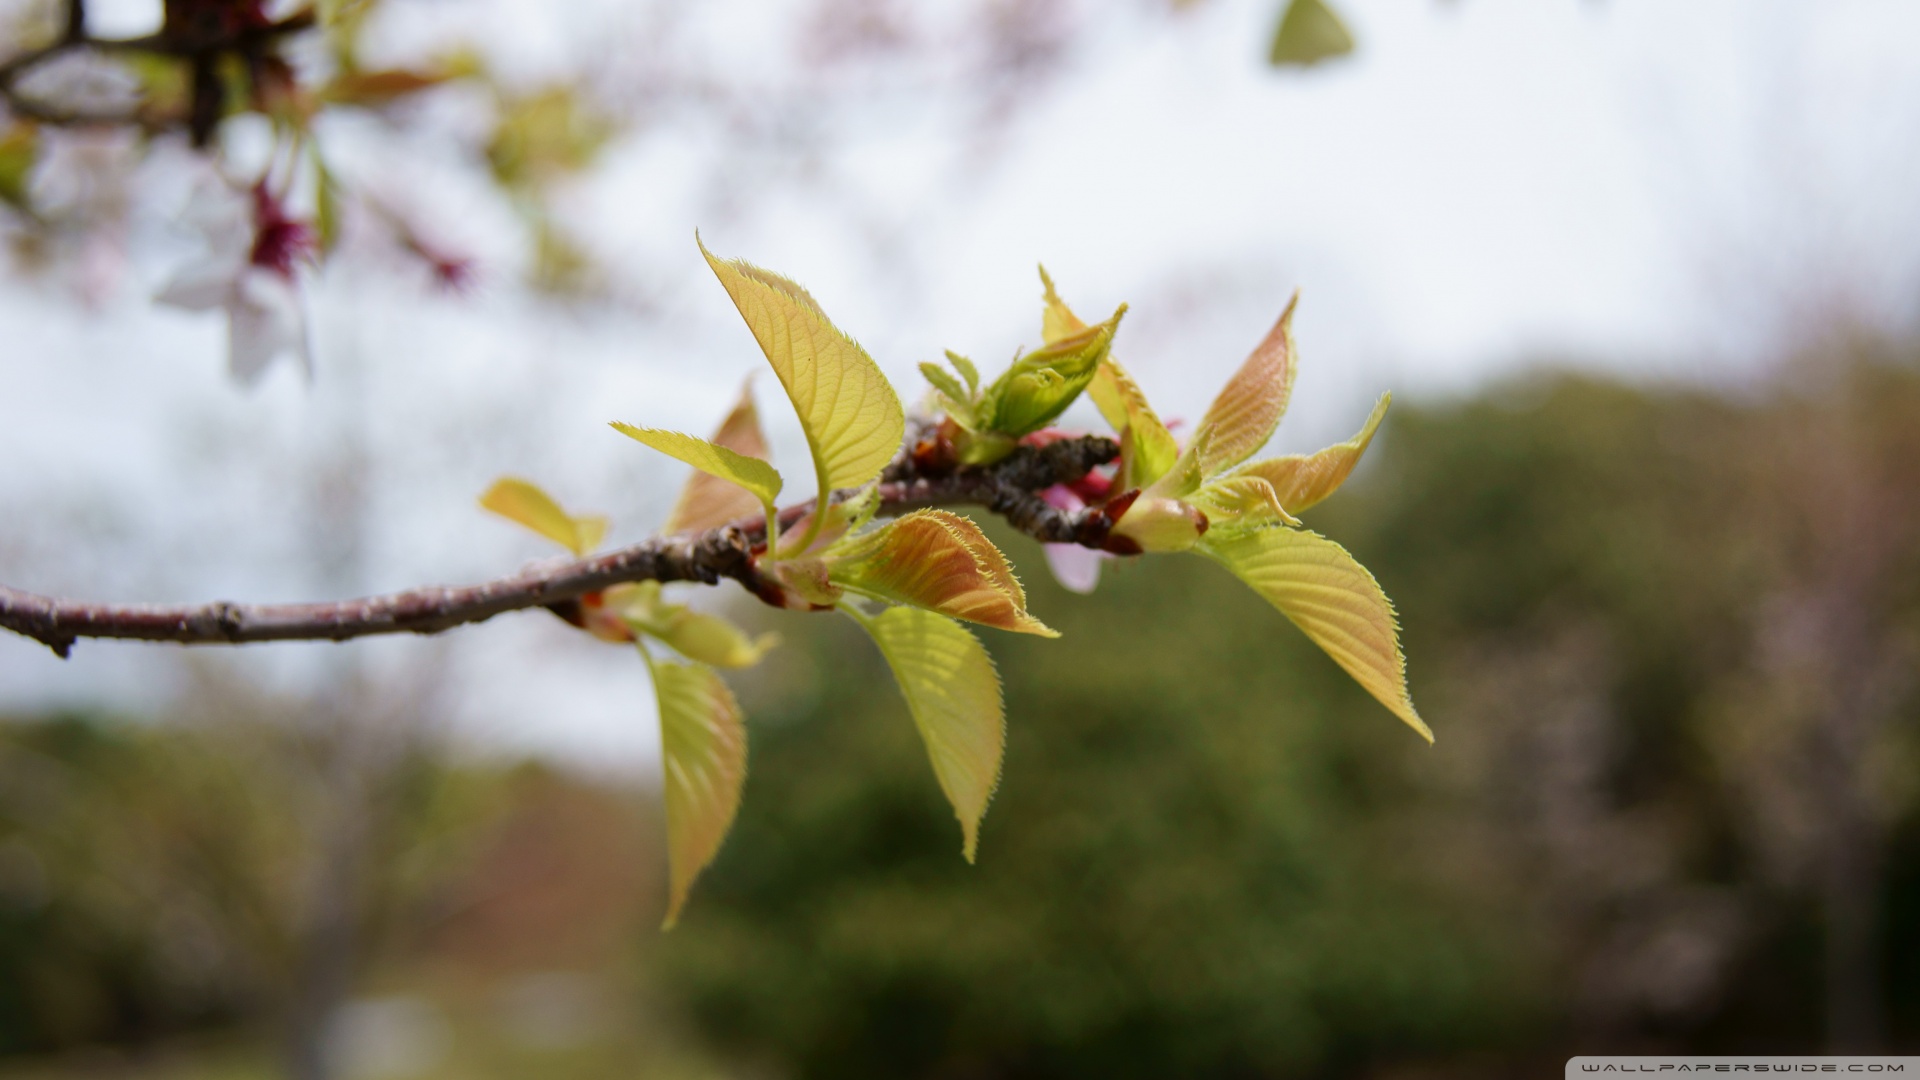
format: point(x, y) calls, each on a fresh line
point(1076, 568)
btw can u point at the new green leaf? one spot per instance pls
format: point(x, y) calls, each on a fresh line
point(953, 692)
point(1308, 33)
point(1332, 599)
point(703, 751)
point(522, 502)
point(19, 150)
point(709, 501)
point(1301, 480)
point(1147, 448)
point(1057, 320)
point(848, 410)
point(1248, 409)
point(966, 369)
point(695, 635)
point(939, 561)
point(1242, 502)
point(1040, 385)
point(956, 401)
point(758, 477)
point(755, 476)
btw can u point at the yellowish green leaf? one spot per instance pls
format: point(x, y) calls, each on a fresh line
point(955, 400)
point(560, 265)
point(1309, 32)
point(1242, 418)
point(163, 82)
point(1301, 480)
point(522, 502)
point(1156, 524)
point(849, 412)
point(1040, 385)
point(1148, 449)
point(19, 150)
point(703, 751)
point(939, 561)
point(326, 211)
point(806, 583)
point(756, 476)
point(544, 134)
point(1330, 597)
point(966, 369)
point(1242, 501)
point(1058, 321)
point(708, 639)
point(983, 447)
point(1186, 474)
point(711, 639)
point(710, 501)
point(373, 89)
point(953, 692)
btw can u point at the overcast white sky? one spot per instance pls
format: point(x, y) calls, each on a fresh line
point(1663, 188)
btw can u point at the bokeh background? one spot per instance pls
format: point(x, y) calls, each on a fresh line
point(1644, 278)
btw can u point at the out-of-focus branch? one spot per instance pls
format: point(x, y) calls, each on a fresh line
point(1009, 488)
point(76, 21)
point(199, 49)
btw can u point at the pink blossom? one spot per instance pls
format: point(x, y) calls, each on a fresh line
point(1076, 568)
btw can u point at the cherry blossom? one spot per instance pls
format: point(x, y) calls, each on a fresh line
point(250, 270)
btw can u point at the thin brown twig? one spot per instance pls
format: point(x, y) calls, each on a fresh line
point(1009, 488)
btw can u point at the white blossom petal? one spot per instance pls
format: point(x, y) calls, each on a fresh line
point(1076, 568)
point(222, 216)
point(264, 320)
point(200, 286)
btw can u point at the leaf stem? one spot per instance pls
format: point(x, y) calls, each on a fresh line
point(853, 612)
point(773, 530)
point(822, 506)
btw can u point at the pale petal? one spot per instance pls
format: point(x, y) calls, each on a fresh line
point(222, 215)
point(264, 320)
point(200, 286)
point(1076, 568)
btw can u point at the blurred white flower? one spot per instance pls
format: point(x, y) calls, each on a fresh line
point(248, 270)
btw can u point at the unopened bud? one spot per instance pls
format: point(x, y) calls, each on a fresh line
point(1159, 525)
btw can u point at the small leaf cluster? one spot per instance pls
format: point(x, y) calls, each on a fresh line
point(984, 425)
point(913, 582)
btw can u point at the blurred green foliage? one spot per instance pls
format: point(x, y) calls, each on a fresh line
point(1665, 636)
point(167, 878)
point(1212, 855)
point(1194, 865)
point(79, 963)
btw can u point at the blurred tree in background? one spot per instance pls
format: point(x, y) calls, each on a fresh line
point(1668, 633)
point(1672, 808)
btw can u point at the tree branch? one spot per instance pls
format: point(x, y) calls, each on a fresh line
point(1009, 488)
point(200, 50)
